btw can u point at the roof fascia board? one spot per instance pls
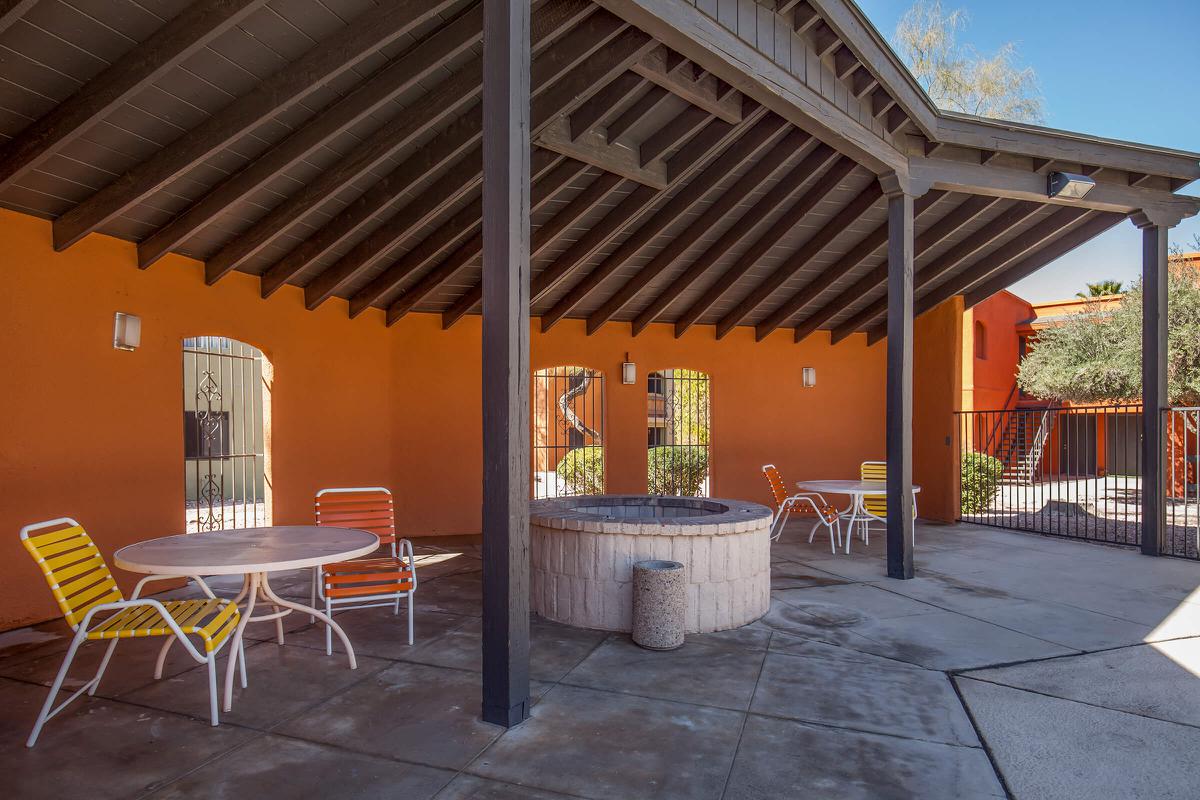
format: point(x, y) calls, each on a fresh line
point(693, 34)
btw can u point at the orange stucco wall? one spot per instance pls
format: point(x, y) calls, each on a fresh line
point(95, 433)
point(987, 381)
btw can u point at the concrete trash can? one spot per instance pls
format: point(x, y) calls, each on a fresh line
point(659, 604)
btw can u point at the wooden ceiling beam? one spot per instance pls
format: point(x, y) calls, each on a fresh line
point(685, 124)
point(766, 205)
point(380, 89)
point(1097, 224)
point(881, 102)
point(804, 16)
point(719, 211)
point(377, 27)
point(641, 108)
point(817, 160)
point(11, 12)
point(602, 104)
point(178, 39)
point(862, 81)
point(824, 39)
point(962, 214)
point(595, 149)
point(548, 66)
point(1006, 221)
point(683, 201)
point(847, 216)
point(895, 117)
point(543, 190)
point(674, 74)
point(862, 250)
point(581, 204)
point(844, 62)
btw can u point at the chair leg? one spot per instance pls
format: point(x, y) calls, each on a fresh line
point(54, 688)
point(242, 660)
point(312, 595)
point(212, 689)
point(162, 657)
point(103, 666)
point(328, 628)
point(410, 617)
point(813, 532)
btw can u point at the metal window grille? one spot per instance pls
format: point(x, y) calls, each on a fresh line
point(678, 433)
point(1062, 471)
point(224, 445)
point(568, 432)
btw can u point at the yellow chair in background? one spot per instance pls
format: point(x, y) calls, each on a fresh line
point(92, 604)
point(874, 506)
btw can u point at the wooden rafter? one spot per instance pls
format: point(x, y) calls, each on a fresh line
point(678, 76)
point(601, 104)
point(417, 64)
point(962, 214)
point(841, 221)
point(574, 48)
point(175, 41)
point(641, 108)
point(804, 16)
point(1006, 221)
point(377, 27)
point(11, 12)
point(680, 204)
point(796, 212)
point(714, 215)
point(568, 215)
point(684, 125)
point(862, 250)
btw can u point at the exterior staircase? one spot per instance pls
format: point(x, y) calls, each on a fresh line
point(1021, 443)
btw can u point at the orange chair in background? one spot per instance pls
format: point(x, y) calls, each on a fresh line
point(369, 582)
point(787, 504)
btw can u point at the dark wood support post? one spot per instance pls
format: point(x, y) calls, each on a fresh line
point(900, 195)
point(1154, 376)
point(505, 362)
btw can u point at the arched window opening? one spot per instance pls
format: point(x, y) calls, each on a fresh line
point(980, 340)
point(678, 433)
point(568, 431)
point(226, 413)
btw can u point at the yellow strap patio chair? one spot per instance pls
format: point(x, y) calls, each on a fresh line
point(94, 607)
point(874, 506)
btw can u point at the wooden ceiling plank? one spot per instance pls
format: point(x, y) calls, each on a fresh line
point(543, 190)
point(712, 216)
point(862, 250)
point(816, 161)
point(383, 87)
point(765, 206)
point(962, 214)
point(583, 202)
point(841, 221)
point(178, 39)
point(600, 105)
point(11, 12)
point(674, 74)
point(377, 27)
point(571, 50)
point(683, 201)
point(683, 126)
point(636, 112)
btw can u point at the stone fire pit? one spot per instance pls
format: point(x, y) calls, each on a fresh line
point(584, 548)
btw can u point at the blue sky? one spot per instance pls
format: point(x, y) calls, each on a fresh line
point(1090, 57)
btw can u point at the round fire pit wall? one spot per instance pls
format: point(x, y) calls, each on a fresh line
point(583, 550)
point(659, 604)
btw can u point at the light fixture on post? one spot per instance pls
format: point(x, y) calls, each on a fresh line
point(809, 376)
point(127, 331)
point(628, 371)
point(1068, 185)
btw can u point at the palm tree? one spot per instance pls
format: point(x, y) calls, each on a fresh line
point(1101, 289)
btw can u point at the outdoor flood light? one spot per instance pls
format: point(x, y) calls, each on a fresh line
point(809, 375)
point(628, 371)
point(1068, 185)
point(127, 331)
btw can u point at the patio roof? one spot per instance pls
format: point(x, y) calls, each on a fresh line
point(693, 163)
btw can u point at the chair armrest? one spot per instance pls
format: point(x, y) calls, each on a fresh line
point(406, 552)
point(145, 601)
point(137, 590)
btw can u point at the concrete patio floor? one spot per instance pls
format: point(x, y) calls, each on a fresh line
point(1013, 665)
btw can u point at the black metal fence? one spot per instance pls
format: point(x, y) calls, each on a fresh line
point(568, 432)
point(677, 433)
point(1182, 534)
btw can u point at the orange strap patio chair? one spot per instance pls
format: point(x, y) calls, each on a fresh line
point(786, 505)
point(369, 582)
point(94, 607)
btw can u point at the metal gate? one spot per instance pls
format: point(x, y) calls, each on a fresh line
point(223, 435)
point(677, 433)
point(568, 432)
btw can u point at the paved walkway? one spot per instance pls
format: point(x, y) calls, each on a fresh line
point(1014, 664)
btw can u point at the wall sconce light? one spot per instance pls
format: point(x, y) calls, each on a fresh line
point(127, 331)
point(1068, 185)
point(809, 376)
point(628, 371)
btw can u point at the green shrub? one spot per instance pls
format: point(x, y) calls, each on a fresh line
point(582, 470)
point(676, 470)
point(980, 477)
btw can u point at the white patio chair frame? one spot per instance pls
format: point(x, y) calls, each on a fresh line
point(49, 710)
point(794, 502)
point(400, 548)
point(864, 517)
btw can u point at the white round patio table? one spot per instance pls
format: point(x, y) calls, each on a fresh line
point(252, 552)
point(856, 490)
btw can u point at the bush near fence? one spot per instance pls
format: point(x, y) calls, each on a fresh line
point(676, 470)
point(582, 470)
point(980, 479)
